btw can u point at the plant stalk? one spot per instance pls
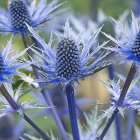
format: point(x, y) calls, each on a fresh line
point(72, 111)
point(118, 117)
point(127, 83)
point(130, 124)
point(44, 93)
point(7, 129)
point(15, 107)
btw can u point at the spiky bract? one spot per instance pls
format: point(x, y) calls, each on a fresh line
point(74, 58)
point(128, 46)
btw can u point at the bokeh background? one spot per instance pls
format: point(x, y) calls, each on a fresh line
point(90, 89)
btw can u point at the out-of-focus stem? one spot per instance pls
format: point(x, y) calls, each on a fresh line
point(137, 8)
point(54, 113)
point(94, 9)
point(44, 136)
point(130, 124)
point(111, 72)
point(118, 117)
point(72, 111)
point(7, 129)
point(44, 93)
point(8, 97)
point(127, 83)
point(15, 107)
point(118, 123)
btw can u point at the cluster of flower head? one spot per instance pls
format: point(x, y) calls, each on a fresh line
point(18, 14)
point(126, 45)
point(74, 55)
point(77, 55)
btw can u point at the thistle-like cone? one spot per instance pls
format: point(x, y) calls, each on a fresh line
point(67, 59)
point(136, 47)
point(19, 15)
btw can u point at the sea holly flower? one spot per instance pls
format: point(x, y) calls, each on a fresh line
point(69, 62)
point(114, 89)
point(6, 108)
point(19, 13)
point(73, 59)
point(128, 46)
point(10, 64)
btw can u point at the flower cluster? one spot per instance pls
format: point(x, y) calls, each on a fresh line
point(114, 89)
point(74, 57)
point(19, 13)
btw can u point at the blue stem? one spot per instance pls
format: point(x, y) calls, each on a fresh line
point(127, 83)
point(111, 72)
point(137, 8)
point(72, 111)
point(118, 117)
point(7, 128)
point(118, 123)
point(130, 123)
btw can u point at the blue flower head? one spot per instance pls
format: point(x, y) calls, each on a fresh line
point(114, 89)
point(9, 64)
point(74, 57)
point(128, 46)
point(19, 13)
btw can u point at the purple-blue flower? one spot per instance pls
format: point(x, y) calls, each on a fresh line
point(19, 13)
point(9, 63)
point(73, 58)
point(128, 45)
